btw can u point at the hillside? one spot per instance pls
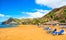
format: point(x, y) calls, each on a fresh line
point(58, 14)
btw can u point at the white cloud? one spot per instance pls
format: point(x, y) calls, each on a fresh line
point(39, 13)
point(51, 3)
point(2, 15)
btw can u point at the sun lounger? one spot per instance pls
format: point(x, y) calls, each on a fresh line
point(58, 33)
point(47, 28)
point(52, 31)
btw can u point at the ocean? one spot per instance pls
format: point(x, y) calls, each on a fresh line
point(7, 25)
point(0, 22)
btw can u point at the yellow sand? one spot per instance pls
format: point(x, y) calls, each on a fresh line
point(28, 32)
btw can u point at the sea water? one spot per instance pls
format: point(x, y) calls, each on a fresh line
point(0, 23)
point(7, 25)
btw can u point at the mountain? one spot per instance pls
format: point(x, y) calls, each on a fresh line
point(15, 20)
point(57, 14)
point(19, 21)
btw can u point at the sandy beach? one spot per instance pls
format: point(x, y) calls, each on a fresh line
point(28, 32)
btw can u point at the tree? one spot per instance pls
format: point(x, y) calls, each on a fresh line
point(55, 18)
point(62, 21)
point(36, 21)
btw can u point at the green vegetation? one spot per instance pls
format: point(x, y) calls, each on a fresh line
point(55, 18)
point(62, 21)
point(36, 21)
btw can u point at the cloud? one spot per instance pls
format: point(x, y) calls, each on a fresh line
point(52, 3)
point(2, 15)
point(39, 13)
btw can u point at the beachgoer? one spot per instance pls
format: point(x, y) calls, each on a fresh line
point(38, 24)
point(54, 30)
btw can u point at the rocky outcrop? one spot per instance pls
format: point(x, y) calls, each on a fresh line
point(8, 21)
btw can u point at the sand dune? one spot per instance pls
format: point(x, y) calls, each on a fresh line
point(28, 32)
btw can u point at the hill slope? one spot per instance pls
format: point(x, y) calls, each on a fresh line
point(58, 14)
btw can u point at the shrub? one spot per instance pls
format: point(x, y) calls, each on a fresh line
point(55, 18)
point(62, 21)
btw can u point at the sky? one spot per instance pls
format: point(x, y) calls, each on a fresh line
point(27, 8)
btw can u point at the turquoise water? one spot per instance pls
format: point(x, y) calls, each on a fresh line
point(7, 25)
point(0, 22)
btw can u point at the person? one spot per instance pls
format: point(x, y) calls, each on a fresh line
point(38, 24)
point(54, 30)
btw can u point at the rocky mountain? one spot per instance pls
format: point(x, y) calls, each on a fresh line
point(58, 14)
point(15, 20)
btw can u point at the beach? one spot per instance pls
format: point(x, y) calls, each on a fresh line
point(28, 32)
